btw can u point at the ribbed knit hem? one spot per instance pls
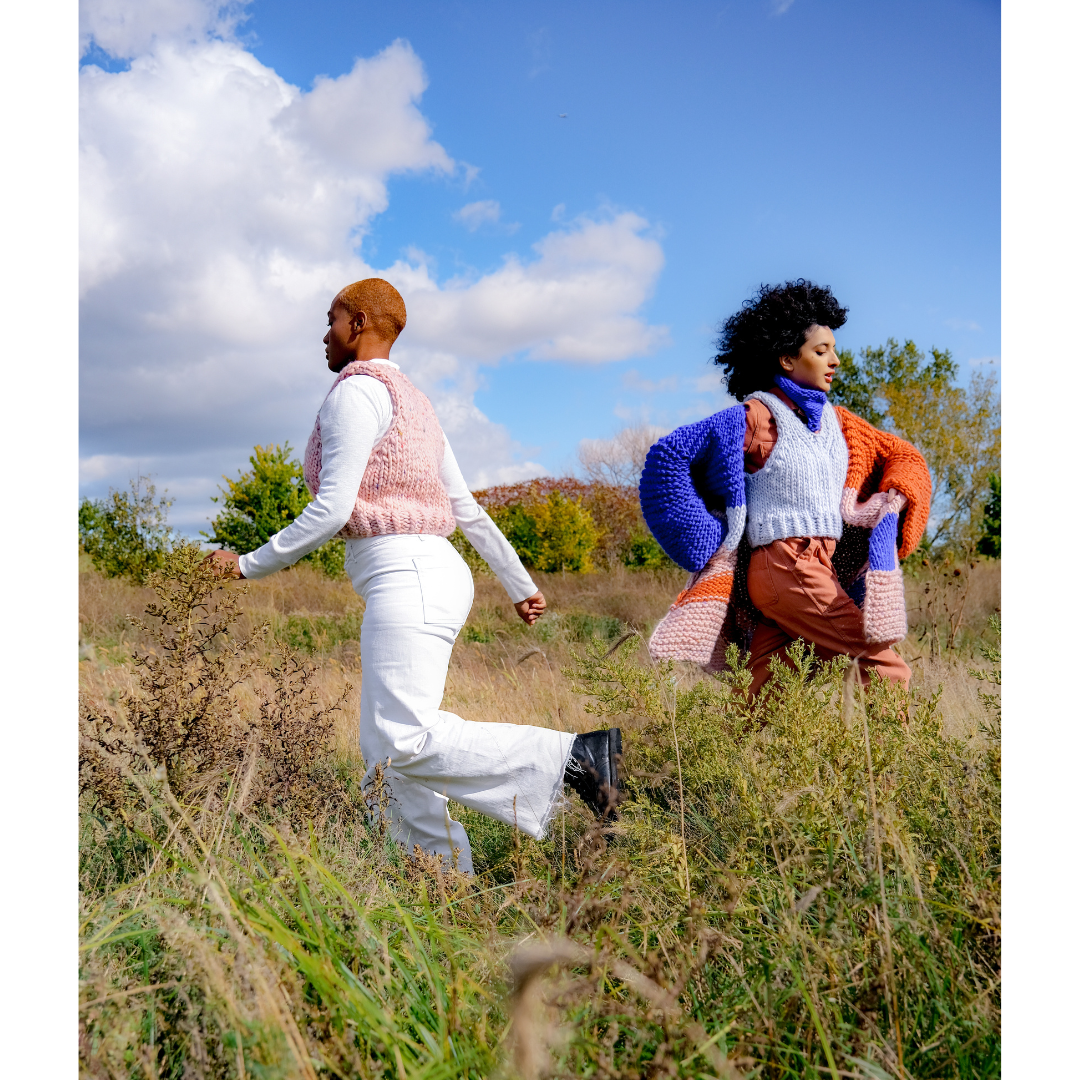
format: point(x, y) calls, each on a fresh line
point(761, 531)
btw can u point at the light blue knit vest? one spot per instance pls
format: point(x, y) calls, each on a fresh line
point(797, 492)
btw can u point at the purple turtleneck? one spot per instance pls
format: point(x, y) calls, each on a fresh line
point(812, 402)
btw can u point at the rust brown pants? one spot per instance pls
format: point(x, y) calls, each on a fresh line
point(793, 584)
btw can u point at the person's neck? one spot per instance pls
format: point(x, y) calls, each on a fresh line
point(373, 349)
point(376, 356)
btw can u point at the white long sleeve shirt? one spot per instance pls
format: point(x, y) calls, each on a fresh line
point(355, 416)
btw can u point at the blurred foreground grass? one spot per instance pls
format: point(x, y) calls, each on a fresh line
point(806, 888)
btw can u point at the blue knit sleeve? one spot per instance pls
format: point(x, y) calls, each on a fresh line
point(692, 479)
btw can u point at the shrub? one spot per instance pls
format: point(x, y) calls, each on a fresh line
point(261, 502)
point(644, 553)
point(127, 534)
point(566, 532)
point(184, 723)
point(990, 541)
point(549, 530)
point(621, 536)
point(518, 525)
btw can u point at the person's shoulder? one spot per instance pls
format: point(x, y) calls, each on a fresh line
point(861, 435)
point(757, 412)
point(359, 390)
point(852, 424)
point(726, 420)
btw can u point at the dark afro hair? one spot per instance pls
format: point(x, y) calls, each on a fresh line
point(773, 323)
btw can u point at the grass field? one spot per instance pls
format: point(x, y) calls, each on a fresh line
point(806, 888)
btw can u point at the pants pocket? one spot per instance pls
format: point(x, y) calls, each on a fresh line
point(759, 582)
point(446, 588)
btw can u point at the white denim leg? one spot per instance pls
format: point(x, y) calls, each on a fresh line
point(417, 593)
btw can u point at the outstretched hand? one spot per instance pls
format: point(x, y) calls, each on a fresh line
point(531, 608)
point(227, 561)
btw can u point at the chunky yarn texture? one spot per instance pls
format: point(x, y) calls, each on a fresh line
point(811, 401)
point(798, 491)
point(693, 495)
point(401, 492)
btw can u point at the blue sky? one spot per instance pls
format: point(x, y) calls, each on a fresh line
point(706, 148)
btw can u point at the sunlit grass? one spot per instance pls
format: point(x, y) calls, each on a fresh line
point(842, 851)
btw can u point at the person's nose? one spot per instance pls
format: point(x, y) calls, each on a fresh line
point(326, 338)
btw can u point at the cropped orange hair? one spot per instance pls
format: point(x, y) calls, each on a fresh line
point(379, 301)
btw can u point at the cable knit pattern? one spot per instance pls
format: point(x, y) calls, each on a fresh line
point(401, 492)
point(693, 483)
point(797, 492)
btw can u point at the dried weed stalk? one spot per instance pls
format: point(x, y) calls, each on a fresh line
point(186, 724)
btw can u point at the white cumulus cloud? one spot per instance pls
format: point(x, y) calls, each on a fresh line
point(577, 300)
point(221, 209)
point(125, 28)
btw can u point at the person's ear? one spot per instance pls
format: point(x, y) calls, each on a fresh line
point(359, 322)
point(787, 363)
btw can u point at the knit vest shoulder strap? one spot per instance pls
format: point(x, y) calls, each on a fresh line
point(401, 491)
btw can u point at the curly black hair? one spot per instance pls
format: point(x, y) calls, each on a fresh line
point(772, 323)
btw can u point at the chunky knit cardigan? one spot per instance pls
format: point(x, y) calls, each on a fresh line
point(401, 491)
point(693, 497)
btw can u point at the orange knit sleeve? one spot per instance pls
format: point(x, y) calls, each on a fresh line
point(878, 461)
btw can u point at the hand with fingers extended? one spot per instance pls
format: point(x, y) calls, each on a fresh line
point(227, 562)
point(531, 608)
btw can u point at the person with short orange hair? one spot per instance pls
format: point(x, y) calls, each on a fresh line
point(382, 476)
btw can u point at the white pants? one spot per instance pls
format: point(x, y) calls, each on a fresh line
point(417, 593)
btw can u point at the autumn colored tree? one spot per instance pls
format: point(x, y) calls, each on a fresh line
point(956, 428)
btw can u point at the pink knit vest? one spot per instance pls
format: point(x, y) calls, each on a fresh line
point(401, 491)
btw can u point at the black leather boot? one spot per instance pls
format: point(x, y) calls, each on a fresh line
point(593, 771)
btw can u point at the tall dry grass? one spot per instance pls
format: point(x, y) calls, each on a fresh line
point(841, 919)
point(501, 671)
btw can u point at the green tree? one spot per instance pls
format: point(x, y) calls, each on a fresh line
point(990, 541)
point(567, 534)
point(957, 429)
point(262, 501)
point(127, 534)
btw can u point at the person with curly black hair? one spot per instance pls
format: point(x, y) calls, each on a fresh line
point(772, 332)
point(754, 501)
